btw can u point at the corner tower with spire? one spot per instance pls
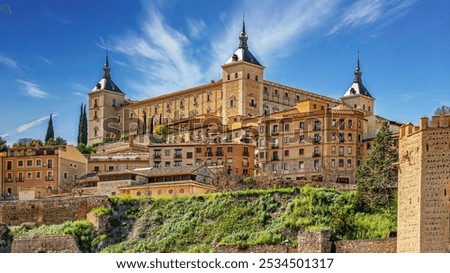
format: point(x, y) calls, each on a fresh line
point(104, 98)
point(242, 80)
point(357, 94)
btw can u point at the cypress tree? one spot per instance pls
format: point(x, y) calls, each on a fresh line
point(84, 135)
point(50, 133)
point(80, 124)
point(377, 175)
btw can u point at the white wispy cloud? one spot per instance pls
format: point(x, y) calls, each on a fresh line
point(159, 53)
point(29, 125)
point(32, 89)
point(196, 27)
point(168, 58)
point(368, 12)
point(10, 63)
point(4, 135)
point(45, 60)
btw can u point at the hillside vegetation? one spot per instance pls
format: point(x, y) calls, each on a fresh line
point(242, 218)
point(197, 223)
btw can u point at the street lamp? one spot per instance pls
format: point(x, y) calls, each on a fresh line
point(287, 243)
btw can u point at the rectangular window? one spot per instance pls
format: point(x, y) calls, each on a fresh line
point(333, 122)
point(96, 169)
point(178, 153)
point(286, 166)
point(110, 168)
point(333, 149)
point(29, 163)
point(198, 150)
point(302, 138)
point(50, 163)
point(301, 164)
point(262, 142)
point(317, 125)
point(229, 149)
point(349, 163)
point(275, 129)
point(262, 155)
point(157, 164)
point(177, 163)
point(286, 127)
point(286, 153)
point(341, 124)
point(316, 164)
point(167, 152)
point(9, 165)
point(29, 176)
point(262, 129)
point(316, 151)
point(349, 150)
point(302, 125)
point(341, 150)
point(333, 163)
point(38, 175)
point(38, 162)
point(167, 164)
point(341, 163)
point(286, 140)
point(341, 138)
point(189, 155)
point(301, 151)
point(350, 137)
point(20, 163)
point(350, 123)
point(66, 175)
point(275, 167)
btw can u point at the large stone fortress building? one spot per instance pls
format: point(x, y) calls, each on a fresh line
point(244, 107)
point(424, 186)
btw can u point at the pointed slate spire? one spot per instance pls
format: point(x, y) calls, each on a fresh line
point(243, 37)
point(106, 68)
point(358, 72)
point(357, 87)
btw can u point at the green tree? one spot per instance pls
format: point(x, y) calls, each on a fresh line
point(50, 132)
point(3, 146)
point(82, 126)
point(377, 175)
point(161, 130)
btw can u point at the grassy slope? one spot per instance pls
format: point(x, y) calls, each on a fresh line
point(195, 224)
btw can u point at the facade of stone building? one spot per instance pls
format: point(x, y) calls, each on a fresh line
point(233, 109)
point(40, 171)
point(423, 186)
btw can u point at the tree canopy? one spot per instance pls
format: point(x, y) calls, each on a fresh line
point(376, 177)
point(442, 111)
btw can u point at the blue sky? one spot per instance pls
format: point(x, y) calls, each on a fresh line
point(52, 52)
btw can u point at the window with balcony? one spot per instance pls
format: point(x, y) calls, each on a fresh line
point(157, 154)
point(157, 164)
point(177, 163)
point(178, 154)
point(317, 125)
point(316, 164)
point(275, 130)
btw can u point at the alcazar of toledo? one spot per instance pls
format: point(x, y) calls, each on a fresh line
point(243, 125)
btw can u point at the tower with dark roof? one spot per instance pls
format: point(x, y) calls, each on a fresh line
point(357, 94)
point(242, 82)
point(104, 99)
